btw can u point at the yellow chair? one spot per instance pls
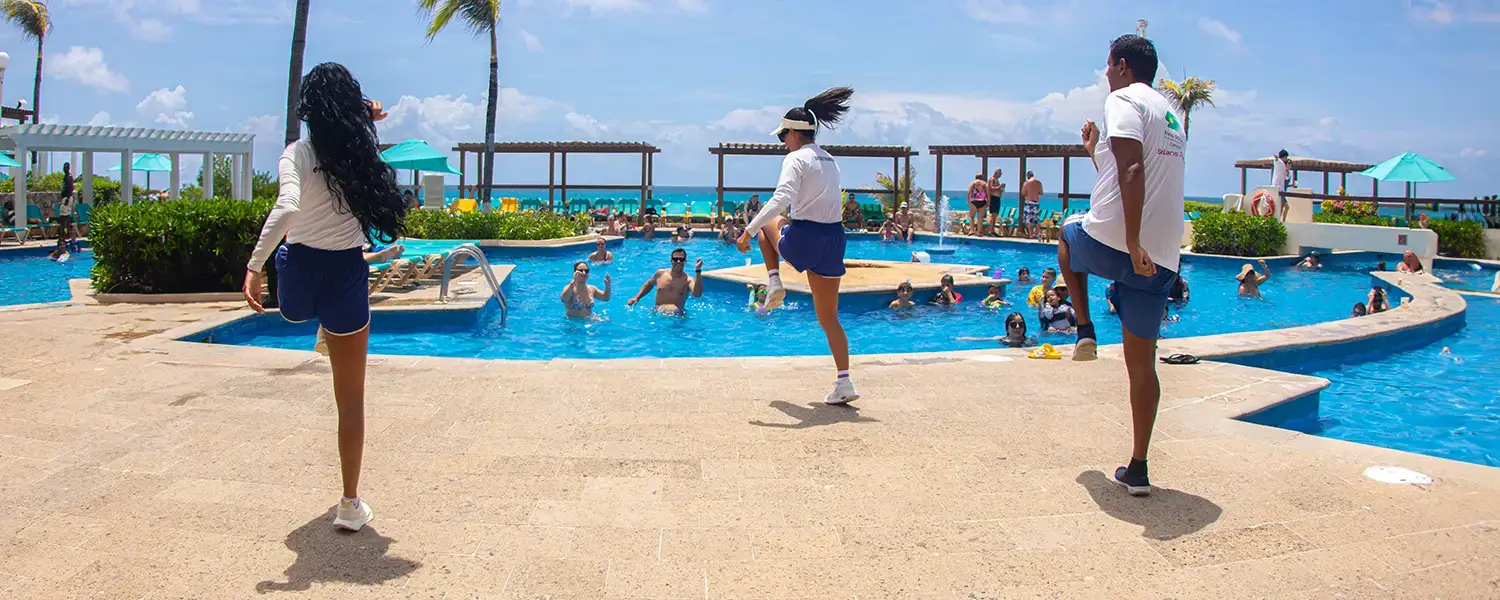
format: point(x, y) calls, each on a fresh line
point(465, 205)
point(510, 205)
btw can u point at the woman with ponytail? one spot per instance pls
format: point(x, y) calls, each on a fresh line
point(335, 195)
point(812, 240)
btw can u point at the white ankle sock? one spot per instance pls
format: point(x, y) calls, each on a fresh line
point(773, 276)
point(353, 501)
point(844, 374)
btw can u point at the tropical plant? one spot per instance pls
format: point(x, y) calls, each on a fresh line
point(35, 22)
point(1459, 239)
point(1349, 208)
point(529, 225)
point(888, 188)
point(1238, 234)
point(1202, 208)
point(1343, 219)
point(174, 247)
point(1187, 95)
point(481, 17)
point(294, 76)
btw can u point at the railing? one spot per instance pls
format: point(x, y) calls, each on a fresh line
point(456, 257)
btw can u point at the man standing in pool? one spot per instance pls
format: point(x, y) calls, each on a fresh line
point(1131, 233)
point(812, 241)
point(672, 285)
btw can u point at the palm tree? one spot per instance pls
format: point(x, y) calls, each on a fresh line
point(481, 17)
point(1187, 95)
point(32, 18)
point(294, 78)
point(888, 188)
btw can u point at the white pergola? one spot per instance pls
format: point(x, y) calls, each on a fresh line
point(127, 142)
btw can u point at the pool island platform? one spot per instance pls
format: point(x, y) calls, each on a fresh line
point(869, 276)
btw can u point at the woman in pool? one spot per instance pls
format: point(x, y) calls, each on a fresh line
point(903, 297)
point(1376, 301)
point(946, 296)
point(578, 297)
point(1359, 310)
point(1057, 316)
point(1311, 262)
point(1250, 281)
point(1409, 263)
point(993, 300)
point(335, 195)
point(979, 195)
point(1015, 333)
point(812, 240)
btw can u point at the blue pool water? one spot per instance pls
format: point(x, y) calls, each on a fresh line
point(718, 324)
point(1465, 275)
point(1419, 400)
point(29, 276)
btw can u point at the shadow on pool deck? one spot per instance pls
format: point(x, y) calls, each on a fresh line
point(815, 415)
point(1166, 514)
point(329, 555)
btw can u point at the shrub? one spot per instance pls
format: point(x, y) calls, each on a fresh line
point(1350, 208)
point(1352, 220)
point(1238, 234)
point(529, 225)
point(106, 190)
point(1459, 239)
point(1202, 207)
point(174, 247)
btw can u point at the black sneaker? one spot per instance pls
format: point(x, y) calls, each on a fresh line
point(1135, 484)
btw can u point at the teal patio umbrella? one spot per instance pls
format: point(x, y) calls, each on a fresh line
point(149, 163)
point(416, 155)
point(7, 161)
point(1409, 168)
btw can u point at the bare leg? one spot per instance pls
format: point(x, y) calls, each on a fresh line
point(770, 238)
point(1078, 291)
point(347, 355)
point(825, 293)
point(1145, 391)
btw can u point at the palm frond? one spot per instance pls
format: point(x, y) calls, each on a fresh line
point(477, 16)
point(30, 16)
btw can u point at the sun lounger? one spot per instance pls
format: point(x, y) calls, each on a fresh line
point(19, 233)
point(465, 205)
point(510, 205)
point(701, 210)
point(675, 210)
point(531, 204)
point(578, 205)
point(38, 221)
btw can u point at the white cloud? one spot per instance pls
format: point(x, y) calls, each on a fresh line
point(1217, 28)
point(166, 107)
point(86, 66)
point(100, 118)
point(586, 125)
point(1473, 153)
point(532, 43)
point(998, 11)
point(150, 20)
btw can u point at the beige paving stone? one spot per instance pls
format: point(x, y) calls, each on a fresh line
point(655, 579)
point(1345, 566)
point(616, 543)
point(559, 579)
point(706, 544)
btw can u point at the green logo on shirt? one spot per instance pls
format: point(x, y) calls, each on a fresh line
point(1172, 122)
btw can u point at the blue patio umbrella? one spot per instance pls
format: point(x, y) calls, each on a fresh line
point(149, 163)
point(1410, 168)
point(416, 155)
point(7, 161)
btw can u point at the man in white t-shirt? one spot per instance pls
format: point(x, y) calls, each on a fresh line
point(1279, 170)
point(1133, 230)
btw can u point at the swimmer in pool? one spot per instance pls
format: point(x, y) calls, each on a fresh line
point(1359, 310)
point(946, 295)
point(1023, 275)
point(648, 229)
point(758, 297)
point(1057, 316)
point(1250, 281)
point(1376, 302)
point(601, 253)
point(673, 284)
point(993, 300)
point(1409, 263)
point(1015, 333)
point(682, 234)
point(903, 297)
point(1311, 262)
point(578, 297)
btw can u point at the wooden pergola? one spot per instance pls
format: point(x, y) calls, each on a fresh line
point(555, 149)
point(984, 153)
point(1303, 163)
point(895, 153)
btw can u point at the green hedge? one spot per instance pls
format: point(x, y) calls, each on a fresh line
point(1189, 206)
point(1238, 234)
point(529, 225)
point(1352, 220)
point(1459, 239)
point(174, 247)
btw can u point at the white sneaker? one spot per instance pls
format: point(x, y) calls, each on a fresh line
point(352, 516)
point(775, 294)
point(843, 392)
point(1087, 349)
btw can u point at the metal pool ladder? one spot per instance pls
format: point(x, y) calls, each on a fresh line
point(456, 257)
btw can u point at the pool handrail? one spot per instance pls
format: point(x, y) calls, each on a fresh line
point(456, 257)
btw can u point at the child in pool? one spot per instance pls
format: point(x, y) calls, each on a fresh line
point(903, 297)
point(887, 232)
point(1359, 310)
point(757, 297)
point(1057, 316)
point(994, 300)
point(1023, 275)
point(946, 295)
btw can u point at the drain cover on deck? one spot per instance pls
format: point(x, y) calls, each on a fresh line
point(1397, 475)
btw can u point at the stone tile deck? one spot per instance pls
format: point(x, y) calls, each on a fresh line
point(135, 467)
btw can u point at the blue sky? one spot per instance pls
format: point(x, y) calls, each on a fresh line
point(1348, 79)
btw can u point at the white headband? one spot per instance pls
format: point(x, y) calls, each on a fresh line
point(794, 124)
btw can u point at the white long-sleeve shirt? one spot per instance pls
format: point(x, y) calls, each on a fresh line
point(306, 212)
point(809, 185)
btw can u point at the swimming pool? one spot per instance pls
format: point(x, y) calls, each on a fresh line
point(30, 277)
point(719, 324)
point(1465, 275)
point(1419, 400)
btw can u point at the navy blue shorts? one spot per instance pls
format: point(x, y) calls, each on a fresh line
point(813, 247)
point(1140, 301)
point(331, 286)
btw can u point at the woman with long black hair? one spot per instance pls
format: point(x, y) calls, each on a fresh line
point(812, 240)
point(335, 195)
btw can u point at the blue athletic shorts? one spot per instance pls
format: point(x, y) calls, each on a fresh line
point(1140, 301)
point(814, 247)
point(331, 286)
